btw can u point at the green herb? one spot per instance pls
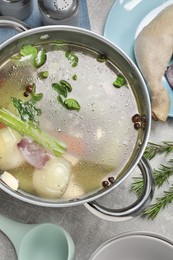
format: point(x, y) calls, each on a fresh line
point(153, 149)
point(120, 81)
point(74, 77)
point(152, 211)
point(101, 58)
point(66, 84)
point(27, 50)
point(71, 104)
point(27, 110)
point(35, 97)
point(61, 89)
point(60, 100)
point(72, 58)
point(39, 57)
point(161, 175)
point(26, 129)
point(137, 185)
point(43, 74)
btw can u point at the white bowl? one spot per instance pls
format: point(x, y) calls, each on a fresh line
point(135, 246)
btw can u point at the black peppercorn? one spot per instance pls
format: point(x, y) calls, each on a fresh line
point(143, 118)
point(105, 184)
point(29, 88)
point(137, 126)
point(111, 179)
point(136, 118)
point(143, 126)
point(26, 94)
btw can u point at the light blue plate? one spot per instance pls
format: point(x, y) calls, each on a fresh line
point(125, 20)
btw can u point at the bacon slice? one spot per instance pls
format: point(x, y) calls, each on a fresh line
point(33, 153)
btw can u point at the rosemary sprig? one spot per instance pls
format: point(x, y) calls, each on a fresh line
point(153, 149)
point(137, 185)
point(161, 175)
point(161, 203)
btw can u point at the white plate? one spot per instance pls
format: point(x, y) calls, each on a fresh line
point(126, 19)
point(135, 246)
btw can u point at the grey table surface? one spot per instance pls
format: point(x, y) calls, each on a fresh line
point(87, 230)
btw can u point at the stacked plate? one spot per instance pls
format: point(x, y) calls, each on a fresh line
point(135, 246)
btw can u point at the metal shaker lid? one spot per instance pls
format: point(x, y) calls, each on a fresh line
point(16, 3)
point(58, 9)
point(19, 9)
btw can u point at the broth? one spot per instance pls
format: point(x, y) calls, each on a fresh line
point(100, 137)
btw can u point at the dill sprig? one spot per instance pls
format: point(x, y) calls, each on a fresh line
point(153, 149)
point(161, 203)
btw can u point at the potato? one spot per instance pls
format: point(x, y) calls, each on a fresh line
point(10, 156)
point(52, 180)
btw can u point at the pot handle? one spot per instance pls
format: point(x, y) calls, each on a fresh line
point(14, 23)
point(137, 207)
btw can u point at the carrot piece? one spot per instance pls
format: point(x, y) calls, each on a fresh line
point(2, 125)
point(74, 144)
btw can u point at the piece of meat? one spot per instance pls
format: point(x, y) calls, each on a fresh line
point(33, 153)
point(169, 75)
point(153, 49)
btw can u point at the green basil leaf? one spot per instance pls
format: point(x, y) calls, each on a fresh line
point(60, 88)
point(66, 84)
point(67, 54)
point(37, 97)
point(43, 74)
point(60, 100)
point(28, 50)
point(72, 58)
point(120, 81)
point(71, 104)
point(40, 59)
point(33, 88)
point(74, 77)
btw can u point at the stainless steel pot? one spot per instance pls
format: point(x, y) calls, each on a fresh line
point(115, 54)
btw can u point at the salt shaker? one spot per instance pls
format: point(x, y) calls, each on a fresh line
point(20, 9)
point(62, 12)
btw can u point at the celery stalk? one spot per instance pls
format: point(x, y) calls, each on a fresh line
point(30, 130)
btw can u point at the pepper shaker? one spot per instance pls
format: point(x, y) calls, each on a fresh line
point(63, 12)
point(20, 9)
